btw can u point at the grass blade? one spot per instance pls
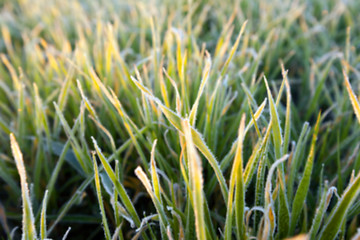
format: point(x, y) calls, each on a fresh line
point(29, 231)
point(120, 188)
point(353, 99)
point(277, 135)
point(43, 217)
point(146, 182)
point(236, 177)
point(288, 111)
point(197, 139)
point(304, 184)
point(154, 175)
point(338, 214)
point(233, 49)
point(99, 196)
point(205, 77)
point(320, 211)
point(196, 182)
point(269, 216)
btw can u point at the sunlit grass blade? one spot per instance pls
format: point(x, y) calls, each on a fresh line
point(111, 96)
point(28, 225)
point(88, 105)
point(198, 140)
point(154, 175)
point(303, 187)
point(288, 112)
point(236, 186)
point(100, 199)
point(353, 99)
point(196, 181)
point(257, 115)
point(233, 49)
point(146, 182)
point(255, 157)
point(205, 76)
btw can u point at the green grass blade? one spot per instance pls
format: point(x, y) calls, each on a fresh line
point(253, 161)
point(304, 184)
point(296, 159)
point(120, 188)
point(338, 214)
point(277, 135)
point(269, 216)
point(320, 211)
point(43, 217)
point(82, 159)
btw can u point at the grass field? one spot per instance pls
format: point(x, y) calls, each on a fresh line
point(161, 119)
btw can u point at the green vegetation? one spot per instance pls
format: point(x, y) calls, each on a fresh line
point(161, 119)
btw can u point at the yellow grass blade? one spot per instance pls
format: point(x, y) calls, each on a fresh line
point(353, 99)
point(29, 231)
point(196, 181)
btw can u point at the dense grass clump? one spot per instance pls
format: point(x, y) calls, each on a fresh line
point(209, 119)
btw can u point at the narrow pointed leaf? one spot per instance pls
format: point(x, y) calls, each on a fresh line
point(303, 188)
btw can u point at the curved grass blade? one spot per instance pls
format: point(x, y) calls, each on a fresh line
point(338, 214)
point(269, 216)
point(283, 210)
point(320, 211)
